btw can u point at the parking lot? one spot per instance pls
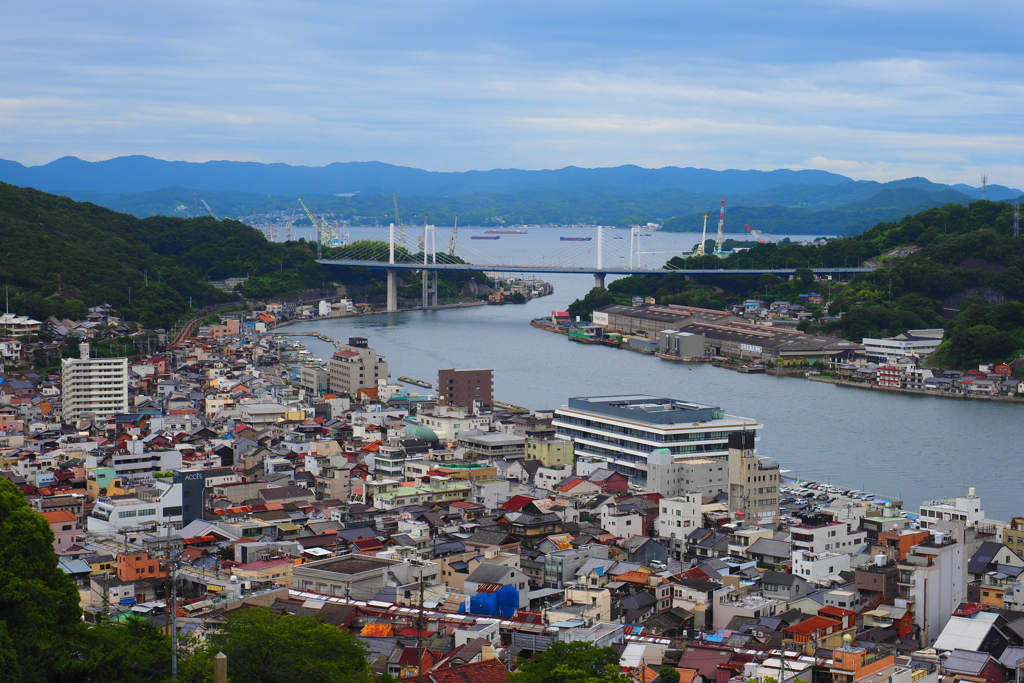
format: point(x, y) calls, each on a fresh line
point(809, 497)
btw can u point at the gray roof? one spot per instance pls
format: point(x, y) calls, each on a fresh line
point(966, 661)
point(779, 578)
point(770, 548)
point(488, 572)
point(1011, 657)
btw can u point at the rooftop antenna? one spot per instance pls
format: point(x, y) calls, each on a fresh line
point(984, 186)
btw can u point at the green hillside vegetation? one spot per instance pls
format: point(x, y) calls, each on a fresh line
point(965, 256)
point(60, 257)
point(844, 209)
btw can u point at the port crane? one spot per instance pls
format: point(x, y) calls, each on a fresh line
point(721, 229)
point(268, 230)
point(756, 234)
point(324, 231)
point(703, 237)
point(398, 222)
point(209, 209)
point(455, 234)
point(339, 227)
point(288, 225)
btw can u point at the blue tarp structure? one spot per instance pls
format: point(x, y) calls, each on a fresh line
point(501, 603)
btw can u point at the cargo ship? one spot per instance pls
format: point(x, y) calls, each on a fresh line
point(485, 237)
point(504, 232)
point(575, 239)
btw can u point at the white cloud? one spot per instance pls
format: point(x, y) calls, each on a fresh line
point(879, 91)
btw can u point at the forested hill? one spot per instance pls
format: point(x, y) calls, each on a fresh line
point(144, 174)
point(59, 256)
point(957, 267)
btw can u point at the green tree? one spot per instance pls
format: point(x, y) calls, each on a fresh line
point(130, 652)
point(38, 602)
point(518, 298)
point(284, 649)
point(10, 670)
point(667, 674)
point(595, 298)
point(577, 662)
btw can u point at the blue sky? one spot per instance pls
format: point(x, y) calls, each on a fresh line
point(871, 89)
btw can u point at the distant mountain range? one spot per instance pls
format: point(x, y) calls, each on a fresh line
point(143, 174)
point(780, 201)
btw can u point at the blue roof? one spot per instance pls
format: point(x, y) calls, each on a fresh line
point(75, 567)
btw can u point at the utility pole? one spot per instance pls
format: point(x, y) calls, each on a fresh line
point(419, 639)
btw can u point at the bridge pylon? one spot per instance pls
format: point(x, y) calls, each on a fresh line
point(392, 290)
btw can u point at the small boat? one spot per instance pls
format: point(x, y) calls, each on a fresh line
point(752, 369)
point(485, 237)
point(617, 238)
point(504, 232)
point(575, 239)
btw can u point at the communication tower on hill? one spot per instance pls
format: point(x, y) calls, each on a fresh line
point(984, 186)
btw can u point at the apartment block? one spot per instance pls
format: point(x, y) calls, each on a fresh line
point(355, 366)
point(466, 387)
point(94, 386)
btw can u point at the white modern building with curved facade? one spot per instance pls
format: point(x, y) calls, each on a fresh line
point(625, 430)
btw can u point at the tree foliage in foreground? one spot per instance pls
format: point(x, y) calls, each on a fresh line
point(38, 602)
point(274, 648)
point(577, 662)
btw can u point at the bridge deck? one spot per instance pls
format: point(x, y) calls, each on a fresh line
point(534, 268)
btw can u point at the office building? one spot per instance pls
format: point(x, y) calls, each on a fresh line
point(464, 387)
point(355, 366)
point(94, 386)
point(624, 430)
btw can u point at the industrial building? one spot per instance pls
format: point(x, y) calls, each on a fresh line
point(679, 328)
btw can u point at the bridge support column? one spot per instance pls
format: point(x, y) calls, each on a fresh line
point(599, 280)
point(392, 289)
point(689, 278)
point(434, 290)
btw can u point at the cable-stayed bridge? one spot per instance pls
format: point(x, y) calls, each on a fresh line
point(598, 255)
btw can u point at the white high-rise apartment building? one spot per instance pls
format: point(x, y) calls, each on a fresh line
point(94, 386)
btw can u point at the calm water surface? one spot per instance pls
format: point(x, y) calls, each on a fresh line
point(909, 447)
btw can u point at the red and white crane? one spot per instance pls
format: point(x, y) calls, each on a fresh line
point(756, 234)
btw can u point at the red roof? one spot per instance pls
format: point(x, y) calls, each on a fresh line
point(812, 625)
point(487, 671)
point(516, 503)
point(368, 544)
point(837, 612)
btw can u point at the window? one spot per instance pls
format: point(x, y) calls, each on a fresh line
point(125, 514)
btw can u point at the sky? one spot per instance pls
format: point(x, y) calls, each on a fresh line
point(870, 89)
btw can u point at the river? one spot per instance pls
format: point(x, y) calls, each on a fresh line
point(912, 448)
